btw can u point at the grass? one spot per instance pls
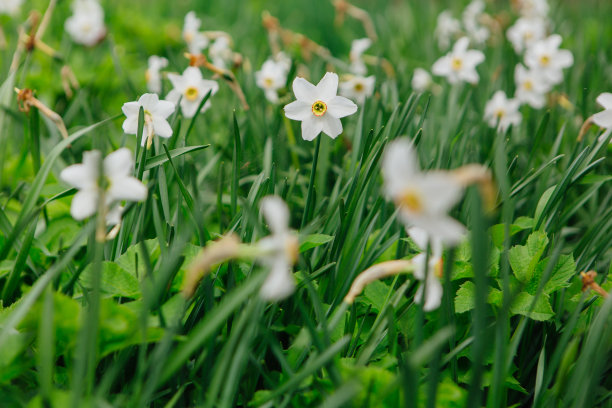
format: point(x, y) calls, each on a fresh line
point(85, 323)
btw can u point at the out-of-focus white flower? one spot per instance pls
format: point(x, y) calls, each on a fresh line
point(86, 25)
point(421, 80)
point(501, 112)
point(156, 113)
point(120, 185)
point(190, 88)
point(459, 64)
point(428, 270)
point(546, 57)
point(472, 16)
point(283, 60)
point(423, 198)
point(270, 78)
point(447, 28)
point(604, 118)
point(152, 75)
point(279, 250)
point(358, 87)
point(531, 88)
point(358, 47)
point(533, 8)
point(525, 31)
point(10, 7)
point(196, 41)
point(318, 107)
point(220, 52)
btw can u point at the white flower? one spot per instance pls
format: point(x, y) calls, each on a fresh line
point(10, 7)
point(604, 118)
point(156, 113)
point(525, 32)
point(546, 57)
point(533, 8)
point(459, 64)
point(280, 248)
point(152, 75)
point(423, 199)
point(220, 52)
point(196, 41)
point(447, 27)
point(190, 88)
point(86, 25)
point(270, 78)
point(358, 88)
point(472, 16)
point(426, 270)
point(117, 170)
point(501, 112)
point(283, 60)
point(358, 47)
point(421, 80)
point(531, 88)
point(318, 107)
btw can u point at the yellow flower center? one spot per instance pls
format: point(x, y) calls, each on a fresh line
point(188, 37)
point(191, 93)
point(292, 248)
point(358, 87)
point(147, 75)
point(528, 85)
point(456, 63)
point(544, 60)
point(268, 82)
point(500, 113)
point(319, 108)
point(411, 200)
point(439, 268)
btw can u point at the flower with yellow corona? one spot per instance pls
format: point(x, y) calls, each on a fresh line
point(459, 65)
point(190, 88)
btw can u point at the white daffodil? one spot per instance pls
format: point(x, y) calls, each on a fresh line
point(190, 88)
point(318, 107)
point(423, 198)
point(531, 88)
point(427, 270)
point(421, 80)
point(10, 7)
point(153, 75)
point(86, 25)
point(220, 52)
point(459, 64)
point(604, 118)
point(546, 57)
point(525, 31)
point(270, 78)
point(156, 113)
point(358, 47)
point(447, 28)
point(472, 16)
point(358, 87)
point(196, 41)
point(283, 60)
point(533, 8)
point(280, 250)
point(501, 112)
point(117, 170)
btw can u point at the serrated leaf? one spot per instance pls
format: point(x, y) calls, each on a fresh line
point(524, 258)
point(313, 241)
point(132, 258)
point(464, 299)
point(114, 281)
point(376, 293)
point(563, 271)
point(542, 310)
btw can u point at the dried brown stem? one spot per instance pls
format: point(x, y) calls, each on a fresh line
point(343, 8)
point(26, 99)
point(588, 282)
point(375, 272)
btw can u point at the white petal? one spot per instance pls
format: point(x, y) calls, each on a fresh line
point(83, 176)
point(419, 261)
point(84, 204)
point(605, 100)
point(163, 109)
point(327, 88)
point(127, 188)
point(442, 227)
point(189, 108)
point(433, 294)
point(148, 101)
point(419, 236)
point(130, 125)
point(119, 163)
point(330, 125)
point(280, 282)
point(440, 191)
point(311, 128)
point(400, 164)
point(298, 110)
point(162, 127)
point(603, 119)
point(113, 216)
point(339, 106)
point(130, 109)
point(304, 91)
point(276, 213)
point(442, 66)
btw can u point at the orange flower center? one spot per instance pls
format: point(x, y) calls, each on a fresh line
point(319, 108)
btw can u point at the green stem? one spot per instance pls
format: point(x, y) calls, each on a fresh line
point(310, 194)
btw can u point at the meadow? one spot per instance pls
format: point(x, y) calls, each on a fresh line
point(294, 204)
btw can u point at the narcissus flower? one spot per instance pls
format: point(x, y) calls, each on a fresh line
point(86, 25)
point(548, 59)
point(423, 198)
point(10, 7)
point(358, 47)
point(604, 118)
point(279, 251)
point(156, 113)
point(358, 87)
point(270, 78)
point(153, 75)
point(531, 88)
point(447, 28)
point(501, 112)
point(533, 8)
point(427, 270)
point(196, 41)
point(190, 88)
point(220, 52)
point(459, 64)
point(525, 31)
point(118, 183)
point(318, 107)
point(421, 80)
point(472, 16)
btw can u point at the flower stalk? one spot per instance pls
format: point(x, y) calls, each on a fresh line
point(376, 272)
point(588, 282)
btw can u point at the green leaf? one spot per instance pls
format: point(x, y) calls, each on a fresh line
point(313, 241)
point(160, 159)
point(541, 311)
point(524, 258)
point(464, 299)
point(115, 281)
point(563, 271)
point(131, 261)
point(376, 293)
